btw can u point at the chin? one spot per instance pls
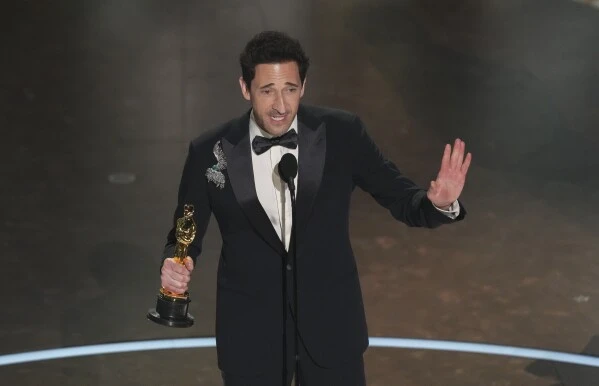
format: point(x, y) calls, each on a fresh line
point(277, 127)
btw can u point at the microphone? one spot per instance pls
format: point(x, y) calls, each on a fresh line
point(288, 170)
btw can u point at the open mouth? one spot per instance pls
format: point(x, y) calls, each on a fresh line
point(277, 118)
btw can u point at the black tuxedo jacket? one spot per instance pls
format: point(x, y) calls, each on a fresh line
point(335, 155)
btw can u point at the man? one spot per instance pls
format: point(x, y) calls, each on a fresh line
point(232, 173)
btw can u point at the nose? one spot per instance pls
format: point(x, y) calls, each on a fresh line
point(279, 104)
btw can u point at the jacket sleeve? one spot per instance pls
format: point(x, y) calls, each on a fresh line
point(379, 177)
point(193, 190)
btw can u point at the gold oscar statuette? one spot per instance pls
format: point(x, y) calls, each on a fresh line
point(172, 308)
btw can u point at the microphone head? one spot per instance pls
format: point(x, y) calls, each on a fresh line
point(288, 167)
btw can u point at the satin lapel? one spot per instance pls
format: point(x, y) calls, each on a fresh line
point(312, 153)
point(241, 175)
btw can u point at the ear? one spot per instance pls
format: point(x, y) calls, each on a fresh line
point(303, 87)
point(244, 89)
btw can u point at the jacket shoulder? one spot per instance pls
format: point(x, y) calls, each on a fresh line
point(330, 114)
point(337, 121)
point(207, 139)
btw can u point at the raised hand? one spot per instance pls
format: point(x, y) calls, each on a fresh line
point(451, 177)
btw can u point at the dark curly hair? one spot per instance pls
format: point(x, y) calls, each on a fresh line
point(272, 47)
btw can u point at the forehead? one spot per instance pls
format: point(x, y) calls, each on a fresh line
point(277, 73)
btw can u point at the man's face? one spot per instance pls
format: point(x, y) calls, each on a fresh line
point(275, 95)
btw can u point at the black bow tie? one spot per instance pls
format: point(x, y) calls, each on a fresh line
point(261, 144)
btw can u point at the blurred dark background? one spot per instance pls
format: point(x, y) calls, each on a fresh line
point(99, 99)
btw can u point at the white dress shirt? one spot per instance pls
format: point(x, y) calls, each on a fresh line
point(273, 194)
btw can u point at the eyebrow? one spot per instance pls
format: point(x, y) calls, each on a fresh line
point(272, 84)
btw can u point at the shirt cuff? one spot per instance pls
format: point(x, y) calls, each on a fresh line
point(453, 212)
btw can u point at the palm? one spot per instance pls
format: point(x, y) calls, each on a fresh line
point(452, 175)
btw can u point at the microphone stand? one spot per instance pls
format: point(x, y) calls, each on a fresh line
point(285, 311)
point(293, 250)
point(288, 169)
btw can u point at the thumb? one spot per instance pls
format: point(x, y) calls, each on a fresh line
point(433, 188)
point(188, 263)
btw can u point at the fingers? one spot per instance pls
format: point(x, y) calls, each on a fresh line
point(453, 158)
point(457, 155)
point(176, 266)
point(174, 276)
point(466, 164)
point(173, 286)
point(460, 148)
point(446, 157)
point(454, 155)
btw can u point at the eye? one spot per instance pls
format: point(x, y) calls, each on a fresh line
point(266, 91)
point(292, 89)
